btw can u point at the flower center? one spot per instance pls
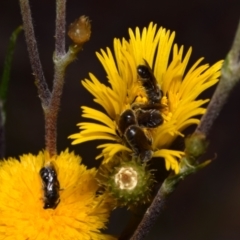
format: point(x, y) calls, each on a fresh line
point(126, 178)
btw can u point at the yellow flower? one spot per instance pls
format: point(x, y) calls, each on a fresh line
point(80, 214)
point(180, 88)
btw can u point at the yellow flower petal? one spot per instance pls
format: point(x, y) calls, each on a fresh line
point(109, 150)
point(180, 108)
point(171, 158)
point(80, 214)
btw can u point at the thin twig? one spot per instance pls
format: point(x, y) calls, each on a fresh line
point(43, 90)
point(52, 113)
point(61, 61)
point(60, 28)
point(59, 72)
point(150, 216)
point(230, 76)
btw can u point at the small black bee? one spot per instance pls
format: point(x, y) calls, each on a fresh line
point(149, 83)
point(148, 115)
point(51, 186)
point(134, 135)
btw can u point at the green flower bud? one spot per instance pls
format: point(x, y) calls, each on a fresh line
point(195, 145)
point(130, 183)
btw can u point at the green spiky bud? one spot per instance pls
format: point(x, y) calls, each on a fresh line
point(130, 183)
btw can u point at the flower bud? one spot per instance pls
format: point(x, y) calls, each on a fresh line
point(80, 30)
point(196, 145)
point(130, 183)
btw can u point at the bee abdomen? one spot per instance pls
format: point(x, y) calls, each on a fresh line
point(139, 142)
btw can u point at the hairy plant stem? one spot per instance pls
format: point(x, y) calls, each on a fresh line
point(230, 75)
point(43, 91)
point(50, 100)
point(51, 113)
point(60, 28)
point(150, 215)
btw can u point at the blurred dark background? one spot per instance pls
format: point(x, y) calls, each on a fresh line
point(204, 206)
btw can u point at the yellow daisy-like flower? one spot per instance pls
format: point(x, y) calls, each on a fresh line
point(180, 89)
point(80, 213)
